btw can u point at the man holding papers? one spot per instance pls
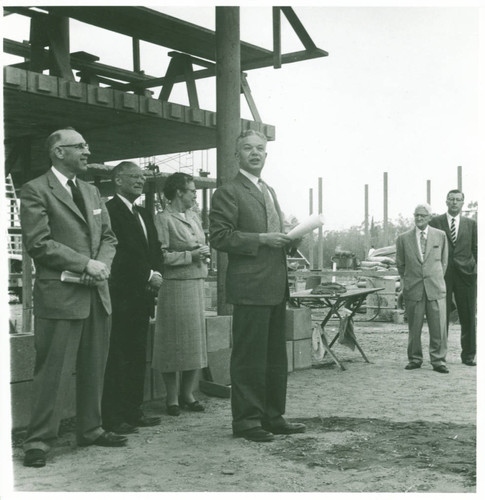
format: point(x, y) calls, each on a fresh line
point(246, 222)
point(66, 227)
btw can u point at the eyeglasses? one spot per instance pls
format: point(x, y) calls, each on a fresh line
point(451, 200)
point(422, 216)
point(81, 145)
point(135, 177)
point(193, 191)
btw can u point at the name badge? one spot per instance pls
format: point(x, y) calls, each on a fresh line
point(96, 211)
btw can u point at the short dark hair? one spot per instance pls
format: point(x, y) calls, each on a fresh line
point(247, 133)
point(456, 191)
point(121, 167)
point(176, 181)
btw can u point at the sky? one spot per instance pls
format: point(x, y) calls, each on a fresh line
point(398, 93)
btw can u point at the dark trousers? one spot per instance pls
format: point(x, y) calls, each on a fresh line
point(125, 370)
point(63, 347)
point(259, 367)
point(464, 288)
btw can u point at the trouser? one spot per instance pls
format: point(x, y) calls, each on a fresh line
point(464, 288)
point(259, 367)
point(435, 311)
point(62, 347)
point(126, 367)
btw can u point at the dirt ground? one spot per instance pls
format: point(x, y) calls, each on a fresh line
point(371, 428)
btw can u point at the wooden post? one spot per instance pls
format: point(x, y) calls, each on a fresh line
point(228, 108)
point(311, 250)
point(366, 220)
point(459, 180)
point(320, 230)
point(385, 223)
point(27, 301)
point(136, 55)
point(428, 192)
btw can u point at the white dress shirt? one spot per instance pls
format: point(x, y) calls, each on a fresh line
point(457, 222)
point(418, 237)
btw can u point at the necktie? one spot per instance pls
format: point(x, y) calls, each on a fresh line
point(272, 218)
point(423, 242)
point(453, 230)
point(137, 215)
point(77, 197)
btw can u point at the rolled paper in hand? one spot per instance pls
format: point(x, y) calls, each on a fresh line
point(307, 226)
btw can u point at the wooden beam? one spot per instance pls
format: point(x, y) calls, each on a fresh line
point(190, 82)
point(300, 30)
point(249, 98)
point(276, 37)
point(136, 55)
point(60, 61)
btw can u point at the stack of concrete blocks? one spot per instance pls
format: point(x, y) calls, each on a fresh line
point(219, 344)
point(384, 301)
point(210, 295)
point(299, 338)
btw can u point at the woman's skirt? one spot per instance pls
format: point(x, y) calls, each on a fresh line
point(179, 342)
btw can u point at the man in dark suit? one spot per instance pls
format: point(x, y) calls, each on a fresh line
point(135, 279)
point(421, 258)
point(66, 227)
point(461, 275)
point(246, 222)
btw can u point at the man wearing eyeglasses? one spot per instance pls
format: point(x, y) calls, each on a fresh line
point(421, 258)
point(66, 227)
point(134, 282)
point(461, 274)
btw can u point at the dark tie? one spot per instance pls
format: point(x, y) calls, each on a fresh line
point(77, 197)
point(423, 242)
point(453, 230)
point(137, 215)
point(272, 218)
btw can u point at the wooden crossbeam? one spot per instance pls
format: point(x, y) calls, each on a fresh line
point(276, 37)
point(298, 27)
point(249, 98)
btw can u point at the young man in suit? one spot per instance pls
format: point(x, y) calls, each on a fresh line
point(461, 274)
point(421, 258)
point(246, 222)
point(66, 227)
point(134, 282)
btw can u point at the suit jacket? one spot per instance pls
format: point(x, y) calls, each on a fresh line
point(256, 274)
point(463, 254)
point(179, 236)
point(136, 255)
point(59, 238)
point(417, 273)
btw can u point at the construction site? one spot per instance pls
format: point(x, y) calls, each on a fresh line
point(371, 426)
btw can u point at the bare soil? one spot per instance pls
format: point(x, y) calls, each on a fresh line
point(371, 428)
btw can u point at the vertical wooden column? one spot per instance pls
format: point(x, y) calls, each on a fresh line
point(320, 230)
point(459, 183)
point(311, 249)
point(366, 221)
point(428, 192)
point(385, 223)
point(228, 109)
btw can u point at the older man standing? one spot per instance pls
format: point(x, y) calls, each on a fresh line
point(134, 282)
point(461, 274)
point(421, 257)
point(246, 222)
point(66, 227)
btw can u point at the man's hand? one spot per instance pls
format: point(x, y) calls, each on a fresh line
point(97, 270)
point(155, 282)
point(88, 280)
point(275, 240)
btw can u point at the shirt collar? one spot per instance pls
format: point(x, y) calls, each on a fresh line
point(126, 202)
point(61, 177)
point(449, 217)
point(250, 176)
point(425, 230)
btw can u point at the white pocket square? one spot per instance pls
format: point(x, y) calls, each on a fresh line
point(96, 211)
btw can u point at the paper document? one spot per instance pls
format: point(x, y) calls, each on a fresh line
point(307, 226)
point(70, 277)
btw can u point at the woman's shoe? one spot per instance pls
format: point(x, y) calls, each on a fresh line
point(173, 410)
point(194, 406)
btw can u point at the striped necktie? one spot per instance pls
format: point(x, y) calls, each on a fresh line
point(453, 230)
point(423, 242)
point(272, 218)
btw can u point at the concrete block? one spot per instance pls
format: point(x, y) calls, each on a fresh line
point(157, 385)
point(298, 323)
point(15, 77)
point(218, 331)
point(302, 354)
point(219, 362)
point(74, 91)
point(22, 357)
point(42, 84)
point(126, 101)
point(289, 355)
point(100, 96)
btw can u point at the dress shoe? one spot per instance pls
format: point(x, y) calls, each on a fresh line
point(441, 369)
point(194, 406)
point(109, 439)
point(145, 421)
point(469, 362)
point(412, 366)
point(122, 428)
point(285, 428)
point(34, 458)
point(173, 410)
point(257, 434)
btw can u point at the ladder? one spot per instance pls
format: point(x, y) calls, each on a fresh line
point(14, 236)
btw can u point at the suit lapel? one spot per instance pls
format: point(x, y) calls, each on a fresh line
point(414, 244)
point(252, 189)
point(429, 242)
point(62, 195)
point(130, 217)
